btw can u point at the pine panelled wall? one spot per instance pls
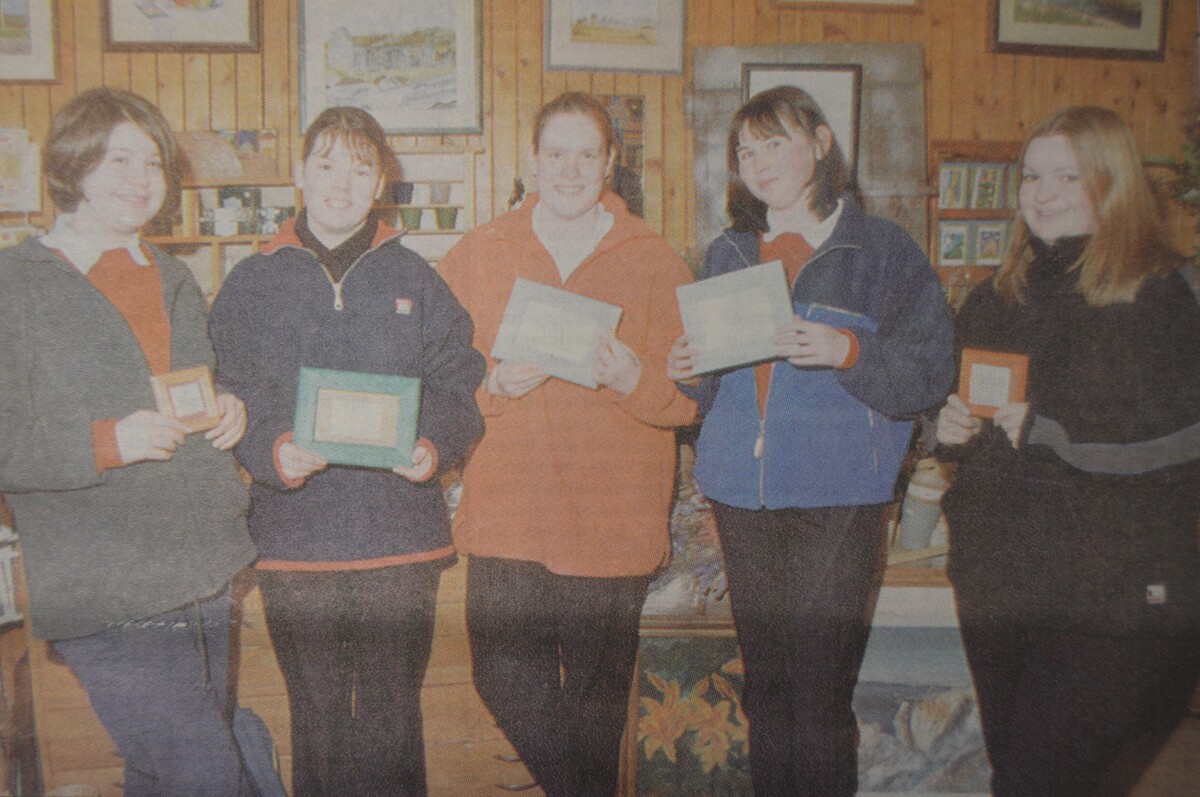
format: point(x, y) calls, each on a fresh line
point(970, 93)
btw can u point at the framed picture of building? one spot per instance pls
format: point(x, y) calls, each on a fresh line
point(415, 66)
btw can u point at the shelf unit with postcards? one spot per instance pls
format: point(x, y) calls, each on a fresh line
point(223, 221)
point(972, 210)
point(435, 203)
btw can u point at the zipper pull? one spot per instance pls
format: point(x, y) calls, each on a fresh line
point(758, 443)
point(337, 296)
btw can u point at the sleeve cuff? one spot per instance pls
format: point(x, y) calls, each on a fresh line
point(105, 452)
point(852, 354)
point(291, 484)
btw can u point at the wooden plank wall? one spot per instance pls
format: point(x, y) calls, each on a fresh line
point(971, 93)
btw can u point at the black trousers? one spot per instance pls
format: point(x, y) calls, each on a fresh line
point(552, 658)
point(353, 648)
point(1070, 714)
point(803, 585)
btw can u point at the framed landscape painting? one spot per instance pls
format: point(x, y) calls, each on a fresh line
point(27, 50)
point(1098, 29)
point(614, 35)
point(164, 25)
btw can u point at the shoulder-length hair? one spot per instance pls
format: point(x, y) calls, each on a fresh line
point(358, 132)
point(764, 114)
point(78, 139)
point(1130, 241)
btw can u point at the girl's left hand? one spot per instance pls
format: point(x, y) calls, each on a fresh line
point(226, 434)
point(422, 465)
point(617, 366)
point(808, 343)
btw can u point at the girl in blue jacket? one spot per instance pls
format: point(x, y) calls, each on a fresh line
point(799, 454)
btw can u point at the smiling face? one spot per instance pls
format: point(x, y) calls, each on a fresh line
point(1053, 199)
point(126, 188)
point(778, 168)
point(570, 165)
point(339, 190)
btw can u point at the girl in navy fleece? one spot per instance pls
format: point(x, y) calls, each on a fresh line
point(350, 558)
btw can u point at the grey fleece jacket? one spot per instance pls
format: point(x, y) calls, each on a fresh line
point(102, 549)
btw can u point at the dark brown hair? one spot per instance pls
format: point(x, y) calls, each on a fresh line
point(1130, 241)
point(78, 139)
point(764, 114)
point(358, 131)
point(580, 103)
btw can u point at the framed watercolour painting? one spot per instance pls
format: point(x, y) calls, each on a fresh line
point(1100, 29)
point(614, 35)
point(415, 66)
point(850, 5)
point(953, 239)
point(27, 44)
point(204, 25)
point(836, 88)
point(188, 397)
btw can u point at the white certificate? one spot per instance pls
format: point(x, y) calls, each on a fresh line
point(732, 319)
point(554, 329)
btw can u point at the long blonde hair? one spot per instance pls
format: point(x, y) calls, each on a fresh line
point(1130, 241)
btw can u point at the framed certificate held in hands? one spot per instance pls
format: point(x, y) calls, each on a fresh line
point(554, 329)
point(187, 396)
point(732, 319)
point(988, 380)
point(352, 418)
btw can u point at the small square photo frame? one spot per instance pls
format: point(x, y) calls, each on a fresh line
point(187, 396)
point(354, 418)
point(953, 241)
point(987, 380)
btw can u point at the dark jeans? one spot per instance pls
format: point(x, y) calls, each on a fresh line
point(353, 647)
point(552, 658)
point(1058, 708)
point(158, 686)
point(803, 585)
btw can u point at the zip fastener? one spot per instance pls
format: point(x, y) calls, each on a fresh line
point(761, 441)
point(338, 304)
point(871, 433)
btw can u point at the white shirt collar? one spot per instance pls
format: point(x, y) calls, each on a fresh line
point(569, 253)
point(814, 232)
point(83, 252)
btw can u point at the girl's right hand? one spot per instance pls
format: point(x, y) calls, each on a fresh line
point(299, 463)
point(148, 434)
point(955, 424)
point(682, 360)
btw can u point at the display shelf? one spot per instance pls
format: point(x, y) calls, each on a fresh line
point(971, 207)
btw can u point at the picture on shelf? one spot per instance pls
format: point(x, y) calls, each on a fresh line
point(988, 239)
point(952, 185)
point(987, 186)
point(952, 243)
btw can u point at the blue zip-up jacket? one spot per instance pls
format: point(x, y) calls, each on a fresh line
point(830, 437)
point(277, 311)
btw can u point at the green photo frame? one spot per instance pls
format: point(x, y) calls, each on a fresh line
point(361, 419)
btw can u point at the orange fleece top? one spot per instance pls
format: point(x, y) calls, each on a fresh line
point(578, 480)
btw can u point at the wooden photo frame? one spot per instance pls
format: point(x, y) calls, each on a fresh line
point(614, 37)
point(415, 65)
point(988, 380)
point(187, 396)
point(837, 89)
point(352, 418)
point(1046, 27)
point(28, 44)
point(165, 25)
